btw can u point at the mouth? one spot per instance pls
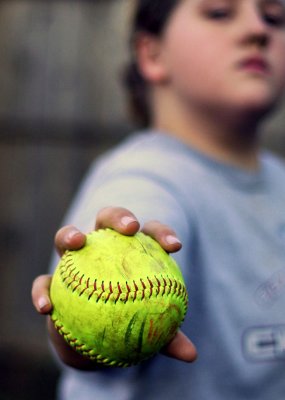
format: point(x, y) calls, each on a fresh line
point(256, 65)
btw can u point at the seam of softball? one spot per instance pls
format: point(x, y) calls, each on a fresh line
point(84, 351)
point(137, 290)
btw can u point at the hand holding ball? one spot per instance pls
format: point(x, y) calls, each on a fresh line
point(119, 299)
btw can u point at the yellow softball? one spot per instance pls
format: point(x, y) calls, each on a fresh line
point(119, 299)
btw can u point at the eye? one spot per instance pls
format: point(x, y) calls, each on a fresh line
point(218, 13)
point(274, 20)
point(274, 14)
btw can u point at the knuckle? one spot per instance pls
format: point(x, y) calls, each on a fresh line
point(157, 227)
point(110, 215)
point(37, 283)
point(104, 214)
point(61, 232)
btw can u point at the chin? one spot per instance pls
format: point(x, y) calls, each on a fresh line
point(258, 103)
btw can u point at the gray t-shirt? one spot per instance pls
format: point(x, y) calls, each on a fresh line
point(232, 226)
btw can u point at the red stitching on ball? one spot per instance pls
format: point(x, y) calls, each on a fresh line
point(135, 291)
point(150, 286)
point(119, 292)
point(162, 285)
point(102, 292)
point(128, 292)
point(143, 290)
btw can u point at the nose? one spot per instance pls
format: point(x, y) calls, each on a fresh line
point(256, 31)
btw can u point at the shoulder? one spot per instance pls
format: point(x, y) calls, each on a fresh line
point(145, 153)
point(144, 147)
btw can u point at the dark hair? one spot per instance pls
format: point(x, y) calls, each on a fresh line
point(150, 16)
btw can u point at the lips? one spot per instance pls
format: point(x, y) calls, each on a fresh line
point(255, 64)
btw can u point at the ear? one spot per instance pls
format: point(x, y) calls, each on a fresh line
point(149, 52)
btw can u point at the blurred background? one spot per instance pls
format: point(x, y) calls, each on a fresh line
point(61, 105)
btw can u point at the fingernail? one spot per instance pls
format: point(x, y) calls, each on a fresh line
point(43, 302)
point(172, 239)
point(72, 233)
point(126, 221)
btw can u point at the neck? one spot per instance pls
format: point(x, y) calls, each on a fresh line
point(232, 139)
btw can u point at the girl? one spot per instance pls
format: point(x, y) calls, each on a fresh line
point(204, 75)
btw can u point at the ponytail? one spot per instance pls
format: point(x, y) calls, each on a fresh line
point(150, 16)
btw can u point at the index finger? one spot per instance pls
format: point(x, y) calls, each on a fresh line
point(118, 218)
